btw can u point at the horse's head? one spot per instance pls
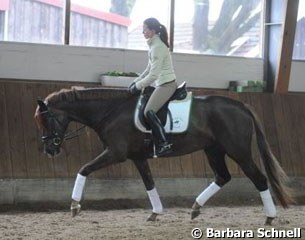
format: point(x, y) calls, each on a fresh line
point(53, 123)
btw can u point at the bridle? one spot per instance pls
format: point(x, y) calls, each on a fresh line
point(56, 137)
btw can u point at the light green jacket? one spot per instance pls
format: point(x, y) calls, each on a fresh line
point(160, 68)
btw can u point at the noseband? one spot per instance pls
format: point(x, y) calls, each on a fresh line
point(57, 138)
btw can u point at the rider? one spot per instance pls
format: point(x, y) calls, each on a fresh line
point(159, 71)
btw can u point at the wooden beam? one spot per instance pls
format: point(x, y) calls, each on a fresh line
point(67, 21)
point(285, 57)
point(172, 25)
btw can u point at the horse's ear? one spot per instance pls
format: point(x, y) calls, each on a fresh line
point(42, 106)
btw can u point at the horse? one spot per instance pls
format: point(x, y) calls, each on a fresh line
point(218, 125)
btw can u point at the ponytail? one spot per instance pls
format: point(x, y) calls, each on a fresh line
point(164, 35)
point(154, 24)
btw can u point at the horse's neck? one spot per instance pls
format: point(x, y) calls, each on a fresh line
point(81, 111)
point(90, 112)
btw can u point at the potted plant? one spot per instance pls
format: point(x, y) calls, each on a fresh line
point(117, 79)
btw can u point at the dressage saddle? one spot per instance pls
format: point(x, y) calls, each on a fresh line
point(179, 94)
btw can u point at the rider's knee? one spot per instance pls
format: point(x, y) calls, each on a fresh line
point(147, 111)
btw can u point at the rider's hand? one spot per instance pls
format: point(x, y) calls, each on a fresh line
point(130, 85)
point(133, 89)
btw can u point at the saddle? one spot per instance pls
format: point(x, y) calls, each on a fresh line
point(180, 94)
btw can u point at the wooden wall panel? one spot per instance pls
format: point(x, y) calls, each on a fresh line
point(199, 161)
point(5, 157)
point(186, 165)
point(284, 129)
point(15, 128)
point(30, 141)
point(283, 117)
point(295, 122)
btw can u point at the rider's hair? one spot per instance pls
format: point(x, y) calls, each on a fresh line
point(154, 24)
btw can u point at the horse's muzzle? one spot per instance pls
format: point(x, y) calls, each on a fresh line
point(52, 152)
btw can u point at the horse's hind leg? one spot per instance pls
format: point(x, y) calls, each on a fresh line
point(260, 182)
point(216, 157)
point(144, 170)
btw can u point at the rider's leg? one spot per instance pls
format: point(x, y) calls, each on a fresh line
point(164, 146)
point(158, 98)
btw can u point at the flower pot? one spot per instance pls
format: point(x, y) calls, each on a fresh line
point(116, 81)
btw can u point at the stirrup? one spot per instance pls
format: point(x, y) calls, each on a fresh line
point(163, 150)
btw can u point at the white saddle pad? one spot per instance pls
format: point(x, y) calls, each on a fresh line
point(180, 112)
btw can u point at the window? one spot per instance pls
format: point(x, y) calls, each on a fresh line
point(39, 21)
point(4, 4)
point(114, 23)
point(143, 9)
point(92, 24)
point(218, 27)
point(299, 41)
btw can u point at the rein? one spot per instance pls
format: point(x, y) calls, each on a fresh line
point(73, 134)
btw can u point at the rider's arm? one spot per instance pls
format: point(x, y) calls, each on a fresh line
point(157, 56)
point(143, 74)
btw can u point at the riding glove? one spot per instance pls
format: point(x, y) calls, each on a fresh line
point(133, 89)
point(130, 85)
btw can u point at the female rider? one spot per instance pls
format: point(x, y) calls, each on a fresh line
point(159, 72)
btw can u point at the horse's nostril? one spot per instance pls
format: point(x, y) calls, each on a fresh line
point(56, 152)
point(49, 152)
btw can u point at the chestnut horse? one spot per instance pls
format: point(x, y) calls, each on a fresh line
point(218, 125)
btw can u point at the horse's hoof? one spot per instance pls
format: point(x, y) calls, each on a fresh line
point(269, 221)
point(75, 208)
point(196, 210)
point(195, 213)
point(152, 217)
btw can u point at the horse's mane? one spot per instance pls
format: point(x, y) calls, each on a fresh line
point(81, 93)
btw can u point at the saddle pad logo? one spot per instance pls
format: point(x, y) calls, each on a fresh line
point(177, 122)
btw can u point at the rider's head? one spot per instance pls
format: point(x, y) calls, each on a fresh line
point(152, 26)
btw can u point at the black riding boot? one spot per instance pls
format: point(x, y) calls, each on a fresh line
point(164, 147)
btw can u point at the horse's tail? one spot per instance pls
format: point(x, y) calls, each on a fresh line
point(276, 175)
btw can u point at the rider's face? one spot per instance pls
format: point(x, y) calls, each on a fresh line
point(148, 33)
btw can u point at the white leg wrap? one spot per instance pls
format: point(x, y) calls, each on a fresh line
point(78, 187)
point(269, 207)
point(207, 193)
point(155, 201)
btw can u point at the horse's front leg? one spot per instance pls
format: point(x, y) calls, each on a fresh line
point(144, 170)
point(105, 159)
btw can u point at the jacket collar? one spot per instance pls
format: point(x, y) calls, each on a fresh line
point(153, 39)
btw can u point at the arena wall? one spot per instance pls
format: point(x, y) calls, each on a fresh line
point(25, 172)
